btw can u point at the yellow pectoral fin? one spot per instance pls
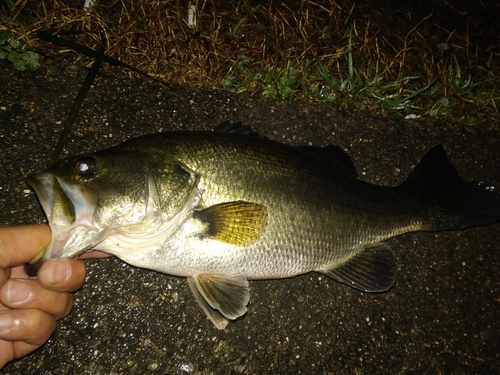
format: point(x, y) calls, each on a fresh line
point(239, 223)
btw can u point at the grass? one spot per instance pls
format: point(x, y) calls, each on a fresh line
point(10, 50)
point(400, 61)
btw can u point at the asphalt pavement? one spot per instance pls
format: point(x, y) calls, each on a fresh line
point(441, 317)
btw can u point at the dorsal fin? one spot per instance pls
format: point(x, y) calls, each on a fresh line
point(333, 156)
point(236, 128)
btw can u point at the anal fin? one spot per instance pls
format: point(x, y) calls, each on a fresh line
point(371, 270)
point(222, 297)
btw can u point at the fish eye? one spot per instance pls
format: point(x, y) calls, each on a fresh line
point(87, 166)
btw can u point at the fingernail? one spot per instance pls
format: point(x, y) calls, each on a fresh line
point(60, 272)
point(5, 320)
point(18, 291)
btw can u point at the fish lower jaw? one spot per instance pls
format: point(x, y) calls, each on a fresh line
point(59, 249)
point(70, 242)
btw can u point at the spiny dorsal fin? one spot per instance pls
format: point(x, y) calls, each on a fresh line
point(237, 128)
point(371, 270)
point(239, 223)
point(222, 297)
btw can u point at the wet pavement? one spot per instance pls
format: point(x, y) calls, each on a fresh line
point(442, 316)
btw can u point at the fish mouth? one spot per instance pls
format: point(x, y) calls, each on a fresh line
point(55, 203)
point(70, 210)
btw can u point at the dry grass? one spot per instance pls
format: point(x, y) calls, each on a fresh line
point(370, 56)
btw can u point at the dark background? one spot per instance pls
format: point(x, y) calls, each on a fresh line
point(441, 316)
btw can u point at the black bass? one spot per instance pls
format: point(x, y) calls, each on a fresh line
point(222, 208)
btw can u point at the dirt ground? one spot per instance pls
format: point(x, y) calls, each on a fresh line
point(442, 316)
point(403, 58)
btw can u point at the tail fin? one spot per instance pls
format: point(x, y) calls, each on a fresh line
point(451, 203)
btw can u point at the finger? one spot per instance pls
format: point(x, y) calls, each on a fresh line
point(29, 294)
point(18, 272)
point(19, 244)
point(62, 275)
point(4, 276)
point(32, 326)
point(7, 350)
point(14, 349)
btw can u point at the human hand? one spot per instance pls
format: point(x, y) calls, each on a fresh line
point(29, 307)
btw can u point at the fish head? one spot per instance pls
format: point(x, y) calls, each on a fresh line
point(89, 197)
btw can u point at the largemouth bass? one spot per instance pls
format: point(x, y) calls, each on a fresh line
point(224, 207)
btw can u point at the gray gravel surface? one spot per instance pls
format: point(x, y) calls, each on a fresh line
point(442, 316)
